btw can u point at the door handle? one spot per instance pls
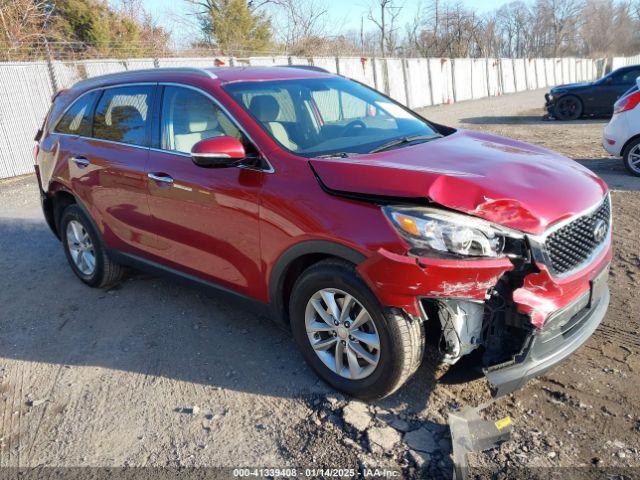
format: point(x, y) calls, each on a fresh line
point(159, 177)
point(81, 161)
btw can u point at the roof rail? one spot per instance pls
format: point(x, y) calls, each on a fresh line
point(313, 68)
point(146, 71)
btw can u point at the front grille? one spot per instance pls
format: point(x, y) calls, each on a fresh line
point(572, 245)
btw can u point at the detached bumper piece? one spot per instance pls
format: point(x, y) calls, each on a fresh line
point(562, 334)
point(470, 433)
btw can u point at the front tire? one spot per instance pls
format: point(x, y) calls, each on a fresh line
point(85, 251)
point(631, 157)
point(346, 336)
point(568, 107)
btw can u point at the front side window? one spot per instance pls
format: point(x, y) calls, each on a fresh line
point(326, 116)
point(77, 119)
point(121, 115)
point(188, 117)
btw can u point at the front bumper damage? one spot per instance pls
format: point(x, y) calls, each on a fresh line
point(530, 320)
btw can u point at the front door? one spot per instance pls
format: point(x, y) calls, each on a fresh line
point(206, 220)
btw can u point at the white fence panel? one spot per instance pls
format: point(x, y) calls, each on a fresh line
point(565, 68)
point(379, 71)
point(357, 68)
point(508, 80)
point(441, 80)
point(550, 71)
point(25, 97)
point(300, 61)
point(186, 62)
point(520, 75)
point(396, 80)
point(541, 77)
point(493, 77)
point(532, 78)
point(268, 61)
point(479, 87)
point(328, 63)
point(418, 78)
point(462, 87)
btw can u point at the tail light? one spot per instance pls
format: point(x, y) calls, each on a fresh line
point(627, 103)
point(36, 150)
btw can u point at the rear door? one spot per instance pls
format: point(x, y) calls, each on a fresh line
point(206, 219)
point(108, 167)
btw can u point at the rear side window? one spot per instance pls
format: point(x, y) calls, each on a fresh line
point(122, 113)
point(77, 119)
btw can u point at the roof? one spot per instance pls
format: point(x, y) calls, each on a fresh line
point(237, 74)
point(221, 74)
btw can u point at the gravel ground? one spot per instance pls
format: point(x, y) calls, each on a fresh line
point(151, 373)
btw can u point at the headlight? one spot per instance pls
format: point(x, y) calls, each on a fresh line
point(447, 233)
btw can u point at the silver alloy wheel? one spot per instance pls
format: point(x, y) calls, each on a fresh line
point(342, 333)
point(634, 159)
point(81, 247)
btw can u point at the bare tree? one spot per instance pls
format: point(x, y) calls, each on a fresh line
point(386, 22)
point(305, 23)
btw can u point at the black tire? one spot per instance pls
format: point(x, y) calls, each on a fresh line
point(106, 271)
point(626, 157)
point(568, 107)
point(401, 337)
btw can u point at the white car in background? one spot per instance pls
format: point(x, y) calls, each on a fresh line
point(621, 136)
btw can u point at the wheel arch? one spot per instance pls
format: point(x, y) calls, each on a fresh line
point(629, 142)
point(57, 199)
point(293, 261)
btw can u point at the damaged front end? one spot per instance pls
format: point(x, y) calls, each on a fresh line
point(513, 306)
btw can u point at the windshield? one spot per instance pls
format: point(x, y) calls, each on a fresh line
point(328, 116)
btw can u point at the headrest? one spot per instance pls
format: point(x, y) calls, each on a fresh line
point(265, 108)
point(193, 114)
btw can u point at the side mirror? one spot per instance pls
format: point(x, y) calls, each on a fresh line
point(218, 152)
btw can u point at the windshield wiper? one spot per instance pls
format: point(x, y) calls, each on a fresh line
point(334, 155)
point(404, 141)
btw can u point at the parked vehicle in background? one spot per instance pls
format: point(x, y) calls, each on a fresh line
point(574, 100)
point(621, 137)
point(357, 221)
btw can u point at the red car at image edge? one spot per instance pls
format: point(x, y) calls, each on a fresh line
point(368, 231)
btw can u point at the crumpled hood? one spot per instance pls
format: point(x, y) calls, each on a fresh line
point(511, 183)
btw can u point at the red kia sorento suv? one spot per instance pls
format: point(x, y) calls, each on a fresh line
point(360, 224)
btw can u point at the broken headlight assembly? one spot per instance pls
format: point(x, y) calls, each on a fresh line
point(433, 232)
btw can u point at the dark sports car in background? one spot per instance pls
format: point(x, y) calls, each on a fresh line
point(574, 100)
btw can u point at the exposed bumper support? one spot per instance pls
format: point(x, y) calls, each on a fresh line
point(562, 335)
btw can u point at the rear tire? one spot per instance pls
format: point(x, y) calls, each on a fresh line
point(85, 250)
point(568, 107)
point(631, 157)
point(400, 338)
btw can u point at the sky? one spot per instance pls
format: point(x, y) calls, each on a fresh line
point(343, 15)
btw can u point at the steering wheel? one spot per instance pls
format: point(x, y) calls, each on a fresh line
point(352, 125)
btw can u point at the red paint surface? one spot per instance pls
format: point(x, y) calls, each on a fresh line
point(225, 145)
point(542, 294)
point(508, 182)
point(231, 225)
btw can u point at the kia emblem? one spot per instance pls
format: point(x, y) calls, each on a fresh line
point(599, 230)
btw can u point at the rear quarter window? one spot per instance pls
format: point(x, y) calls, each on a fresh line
point(76, 120)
